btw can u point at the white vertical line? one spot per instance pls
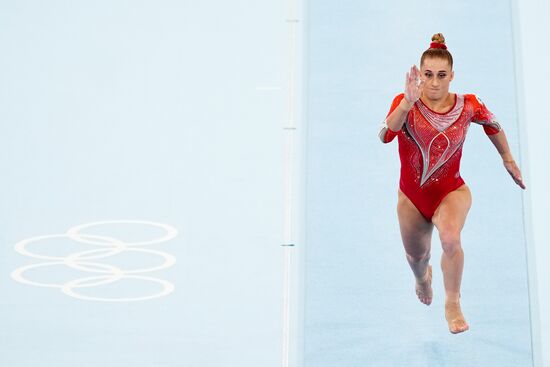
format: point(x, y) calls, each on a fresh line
point(532, 286)
point(286, 308)
point(289, 132)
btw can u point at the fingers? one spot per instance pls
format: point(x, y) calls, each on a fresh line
point(412, 84)
point(518, 179)
point(415, 72)
point(519, 182)
point(514, 171)
point(417, 78)
point(407, 87)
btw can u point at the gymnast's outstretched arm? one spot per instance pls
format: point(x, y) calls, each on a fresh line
point(501, 143)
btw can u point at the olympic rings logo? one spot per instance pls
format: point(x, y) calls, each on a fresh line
point(86, 261)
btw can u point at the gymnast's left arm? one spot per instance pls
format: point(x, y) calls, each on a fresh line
point(501, 143)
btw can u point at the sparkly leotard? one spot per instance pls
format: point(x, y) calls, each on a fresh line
point(430, 148)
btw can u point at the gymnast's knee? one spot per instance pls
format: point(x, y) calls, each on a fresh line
point(417, 258)
point(450, 242)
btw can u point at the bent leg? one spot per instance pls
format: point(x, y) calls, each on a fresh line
point(449, 219)
point(416, 233)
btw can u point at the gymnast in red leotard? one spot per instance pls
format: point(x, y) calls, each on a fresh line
point(430, 147)
point(431, 125)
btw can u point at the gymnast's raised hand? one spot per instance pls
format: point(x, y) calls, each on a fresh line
point(413, 85)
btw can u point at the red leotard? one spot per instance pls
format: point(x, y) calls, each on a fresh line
point(430, 147)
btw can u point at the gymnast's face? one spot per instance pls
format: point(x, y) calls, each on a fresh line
point(437, 76)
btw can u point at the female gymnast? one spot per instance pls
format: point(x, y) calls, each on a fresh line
point(431, 126)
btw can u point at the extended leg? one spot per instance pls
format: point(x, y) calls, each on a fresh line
point(449, 219)
point(416, 233)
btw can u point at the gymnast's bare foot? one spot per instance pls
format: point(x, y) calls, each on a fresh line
point(424, 287)
point(455, 318)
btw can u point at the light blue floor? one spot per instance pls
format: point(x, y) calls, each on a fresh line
point(361, 309)
point(169, 118)
point(116, 110)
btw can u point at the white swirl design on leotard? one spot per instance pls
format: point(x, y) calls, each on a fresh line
point(486, 117)
point(422, 135)
point(85, 261)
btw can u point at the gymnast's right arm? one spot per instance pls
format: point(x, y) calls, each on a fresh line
point(401, 106)
point(395, 119)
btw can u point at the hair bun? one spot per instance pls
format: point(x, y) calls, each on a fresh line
point(438, 41)
point(438, 38)
point(437, 49)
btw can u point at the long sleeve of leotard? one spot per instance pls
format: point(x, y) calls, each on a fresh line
point(484, 117)
point(385, 133)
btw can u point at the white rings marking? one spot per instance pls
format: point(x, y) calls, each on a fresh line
point(84, 261)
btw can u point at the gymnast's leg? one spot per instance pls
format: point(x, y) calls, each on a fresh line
point(449, 219)
point(416, 233)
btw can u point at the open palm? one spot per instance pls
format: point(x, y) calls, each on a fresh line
point(413, 85)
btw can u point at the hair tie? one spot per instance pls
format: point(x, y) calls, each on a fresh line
point(438, 45)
